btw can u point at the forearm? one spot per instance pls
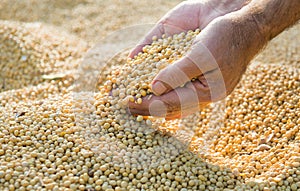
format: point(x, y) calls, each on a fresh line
point(273, 16)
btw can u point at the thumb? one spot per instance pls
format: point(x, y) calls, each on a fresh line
point(197, 62)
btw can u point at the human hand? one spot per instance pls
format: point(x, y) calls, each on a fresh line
point(217, 59)
point(189, 15)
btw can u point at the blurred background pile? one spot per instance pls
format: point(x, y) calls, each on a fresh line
point(48, 136)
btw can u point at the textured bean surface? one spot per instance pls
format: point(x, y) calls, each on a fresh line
point(55, 137)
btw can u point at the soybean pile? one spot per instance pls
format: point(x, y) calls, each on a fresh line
point(54, 137)
point(63, 141)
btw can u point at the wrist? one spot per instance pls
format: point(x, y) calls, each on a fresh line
point(248, 34)
point(273, 16)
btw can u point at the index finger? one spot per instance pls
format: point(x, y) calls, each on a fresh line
point(177, 103)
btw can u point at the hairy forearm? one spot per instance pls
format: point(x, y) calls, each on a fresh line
point(257, 23)
point(273, 16)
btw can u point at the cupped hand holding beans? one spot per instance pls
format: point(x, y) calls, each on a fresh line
point(232, 33)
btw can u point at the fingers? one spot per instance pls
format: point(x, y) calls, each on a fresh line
point(183, 101)
point(161, 28)
point(177, 103)
point(197, 62)
point(183, 17)
point(174, 76)
point(157, 30)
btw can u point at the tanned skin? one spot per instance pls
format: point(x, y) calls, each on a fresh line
point(233, 33)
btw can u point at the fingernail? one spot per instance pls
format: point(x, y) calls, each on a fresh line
point(157, 108)
point(158, 88)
